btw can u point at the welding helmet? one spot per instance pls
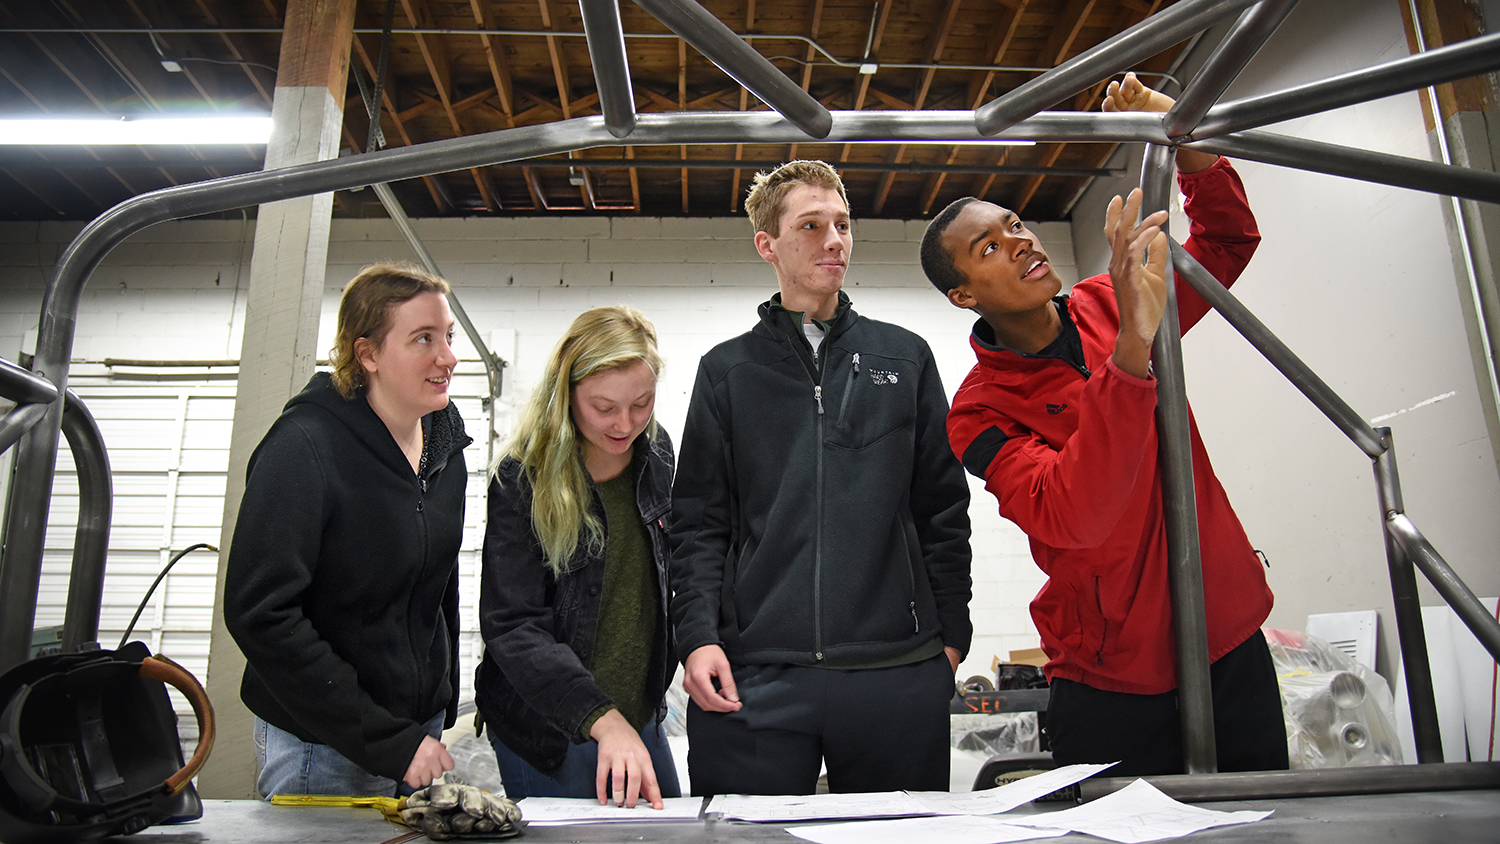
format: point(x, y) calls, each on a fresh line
point(89, 746)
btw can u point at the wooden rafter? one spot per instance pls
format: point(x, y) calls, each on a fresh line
point(388, 102)
point(1002, 35)
point(494, 54)
point(559, 62)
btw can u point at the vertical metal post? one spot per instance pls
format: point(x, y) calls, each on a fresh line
point(1179, 501)
point(91, 540)
point(1408, 610)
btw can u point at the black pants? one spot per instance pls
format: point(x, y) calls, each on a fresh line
point(1144, 732)
point(877, 729)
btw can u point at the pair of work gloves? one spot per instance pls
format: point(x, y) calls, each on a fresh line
point(447, 810)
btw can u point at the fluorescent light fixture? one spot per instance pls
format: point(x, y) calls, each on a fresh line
point(135, 131)
point(985, 142)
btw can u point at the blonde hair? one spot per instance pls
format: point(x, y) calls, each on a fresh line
point(365, 313)
point(767, 198)
point(546, 440)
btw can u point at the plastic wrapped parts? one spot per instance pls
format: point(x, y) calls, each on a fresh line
point(1338, 712)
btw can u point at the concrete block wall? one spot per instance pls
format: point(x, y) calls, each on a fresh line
point(177, 292)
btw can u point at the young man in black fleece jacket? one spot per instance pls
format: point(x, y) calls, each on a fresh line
point(820, 530)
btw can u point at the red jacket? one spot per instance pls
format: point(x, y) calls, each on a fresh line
point(1071, 455)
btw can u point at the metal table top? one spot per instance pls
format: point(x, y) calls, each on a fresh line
point(1447, 817)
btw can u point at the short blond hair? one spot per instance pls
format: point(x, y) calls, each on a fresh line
point(365, 312)
point(767, 198)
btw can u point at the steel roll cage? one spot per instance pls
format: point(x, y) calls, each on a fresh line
point(45, 408)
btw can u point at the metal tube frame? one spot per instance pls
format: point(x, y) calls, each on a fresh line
point(729, 51)
point(1179, 500)
point(1246, 36)
point(91, 538)
point(1016, 115)
point(606, 37)
point(1317, 782)
point(1140, 42)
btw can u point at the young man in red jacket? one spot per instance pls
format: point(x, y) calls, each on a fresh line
point(1058, 419)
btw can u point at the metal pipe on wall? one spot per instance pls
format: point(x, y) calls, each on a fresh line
point(1179, 499)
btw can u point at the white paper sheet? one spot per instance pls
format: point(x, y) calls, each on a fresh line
point(1136, 813)
point(992, 801)
point(949, 829)
point(560, 811)
point(816, 807)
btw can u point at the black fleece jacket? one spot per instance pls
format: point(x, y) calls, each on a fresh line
point(342, 580)
point(819, 516)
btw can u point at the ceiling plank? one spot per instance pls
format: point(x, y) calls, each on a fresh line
point(1070, 23)
point(388, 101)
point(559, 61)
point(1002, 35)
point(494, 54)
point(635, 181)
point(226, 16)
point(936, 42)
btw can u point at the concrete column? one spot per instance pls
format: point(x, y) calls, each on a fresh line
point(281, 323)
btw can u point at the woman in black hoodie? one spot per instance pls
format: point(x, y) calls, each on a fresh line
point(342, 580)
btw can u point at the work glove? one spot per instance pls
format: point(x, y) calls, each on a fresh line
point(448, 810)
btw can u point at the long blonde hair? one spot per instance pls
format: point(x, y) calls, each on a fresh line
point(546, 440)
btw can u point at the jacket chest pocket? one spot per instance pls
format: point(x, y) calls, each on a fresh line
point(878, 398)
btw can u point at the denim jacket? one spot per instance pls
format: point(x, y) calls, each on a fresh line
point(533, 688)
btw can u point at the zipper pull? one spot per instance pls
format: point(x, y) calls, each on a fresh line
point(818, 394)
point(916, 625)
point(856, 363)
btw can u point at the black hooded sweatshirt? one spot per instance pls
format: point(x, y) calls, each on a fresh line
point(342, 580)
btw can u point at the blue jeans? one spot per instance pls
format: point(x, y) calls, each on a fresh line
point(576, 776)
point(289, 765)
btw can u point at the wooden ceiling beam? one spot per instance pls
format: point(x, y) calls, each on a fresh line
point(982, 185)
point(40, 192)
point(1032, 183)
point(150, 62)
point(934, 51)
point(494, 54)
point(559, 61)
point(434, 56)
point(1002, 35)
point(815, 22)
point(635, 182)
point(1071, 21)
point(240, 49)
point(388, 102)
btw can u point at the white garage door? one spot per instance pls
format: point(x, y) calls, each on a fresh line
point(167, 432)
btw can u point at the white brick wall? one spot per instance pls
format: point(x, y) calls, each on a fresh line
point(176, 292)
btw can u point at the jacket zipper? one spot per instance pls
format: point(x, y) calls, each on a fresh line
point(1103, 624)
point(848, 389)
point(818, 538)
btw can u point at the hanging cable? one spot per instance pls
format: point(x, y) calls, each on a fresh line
point(130, 628)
